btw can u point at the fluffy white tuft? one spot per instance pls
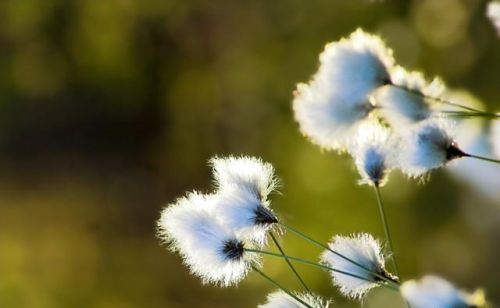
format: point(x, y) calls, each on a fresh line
point(337, 98)
point(373, 151)
point(191, 229)
point(245, 172)
point(400, 107)
point(280, 299)
point(495, 137)
point(408, 99)
point(243, 212)
point(493, 13)
point(432, 291)
point(416, 82)
point(427, 146)
point(364, 250)
point(244, 184)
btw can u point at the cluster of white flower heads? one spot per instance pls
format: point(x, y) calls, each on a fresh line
point(336, 99)
point(366, 252)
point(433, 291)
point(280, 299)
point(211, 231)
point(358, 83)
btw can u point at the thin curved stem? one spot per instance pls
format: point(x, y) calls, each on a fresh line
point(470, 114)
point(281, 287)
point(288, 261)
point(492, 160)
point(389, 283)
point(387, 231)
point(436, 99)
point(323, 246)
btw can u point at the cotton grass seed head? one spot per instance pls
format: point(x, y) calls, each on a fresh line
point(495, 137)
point(338, 96)
point(426, 147)
point(362, 249)
point(493, 13)
point(210, 250)
point(373, 153)
point(432, 291)
point(243, 212)
point(249, 173)
point(244, 184)
point(280, 299)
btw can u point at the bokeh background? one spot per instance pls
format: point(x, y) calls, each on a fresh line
point(110, 109)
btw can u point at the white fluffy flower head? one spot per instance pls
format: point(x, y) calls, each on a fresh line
point(373, 153)
point(244, 184)
point(427, 146)
point(337, 98)
point(408, 99)
point(243, 212)
point(245, 172)
point(493, 13)
point(280, 299)
point(495, 137)
point(362, 249)
point(432, 291)
point(211, 251)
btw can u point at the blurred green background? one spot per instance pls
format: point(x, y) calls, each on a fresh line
point(110, 109)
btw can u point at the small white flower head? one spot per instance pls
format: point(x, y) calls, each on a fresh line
point(280, 299)
point(337, 98)
point(373, 153)
point(427, 146)
point(244, 184)
point(495, 137)
point(243, 212)
point(493, 13)
point(408, 99)
point(365, 251)
point(246, 172)
point(211, 251)
point(432, 291)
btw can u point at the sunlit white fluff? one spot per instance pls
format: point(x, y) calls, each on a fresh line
point(432, 291)
point(243, 212)
point(408, 99)
point(244, 184)
point(337, 98)
point(210, 250)
point(364, 250)
point(373, 151)
point(474, 136)
point(427, 146)
point(495, 137)
point(247, 172)
point(280, 299)
point(493, 13)
point(416, 82)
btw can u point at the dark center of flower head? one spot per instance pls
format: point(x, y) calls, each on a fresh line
point(453, 151)
point(264, 216)
point(233, 249)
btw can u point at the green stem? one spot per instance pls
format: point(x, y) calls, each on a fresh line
point(281, 287)
point(288, 261)
point(390, 284)
point(482, 158)
point(383, 217)
point(323, 246)
point(436, 99)
point(466, 114)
